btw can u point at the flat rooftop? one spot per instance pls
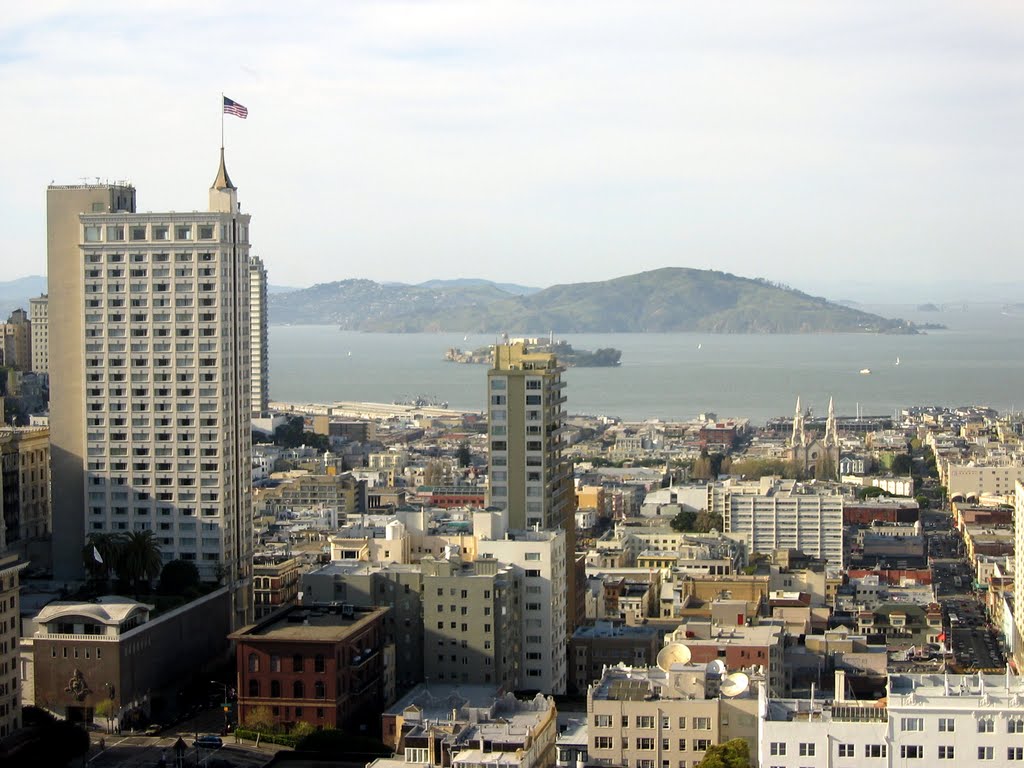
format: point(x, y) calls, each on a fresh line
point(307, 624)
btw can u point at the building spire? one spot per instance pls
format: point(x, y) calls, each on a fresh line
point(797, 438)
point(831, 433)
point(223, 194)
point(223, 181)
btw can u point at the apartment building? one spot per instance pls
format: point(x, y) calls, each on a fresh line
point(605, 643)
point(925, 720)
point(785, 514)
point(275, 583)
point(259, 343)
point(342, 495)
point(970, 482)
point(16, 341)
point(38, 311)
point(10, 624)
point(650, 717)
point(150, 321)
point(541, 559)
point(25, 484)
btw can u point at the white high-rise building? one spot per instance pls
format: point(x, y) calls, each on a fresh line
point(151, 378)
point(40, 329)
point(258, 338)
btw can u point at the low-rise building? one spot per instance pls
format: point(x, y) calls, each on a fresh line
point(10, 687)
point(594, 647)
point(275, 582)
point(79, 653)
point(323, 667)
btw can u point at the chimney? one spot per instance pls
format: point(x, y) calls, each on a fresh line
point(840, 693)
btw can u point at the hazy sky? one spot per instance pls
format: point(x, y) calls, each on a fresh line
point(539, 142)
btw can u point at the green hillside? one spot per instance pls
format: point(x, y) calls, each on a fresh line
point(663, 300)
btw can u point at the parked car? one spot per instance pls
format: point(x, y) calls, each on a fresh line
point(209, 741)
point(153, 730)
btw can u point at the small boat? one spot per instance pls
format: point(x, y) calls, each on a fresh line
point(350, 354)
point(699, 345)
point(865, 371)
point(897, 360)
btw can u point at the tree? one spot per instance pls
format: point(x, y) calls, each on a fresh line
point(140, 558)
point(902, 464)
point(260, 719)
point(436, 473)
point(102, 555)
point(734, 753)
point(302, 729)
point(825, 468)
point(684, 520)
point(105, 710)
point(707, 521)
point(463, 455)
point(178, 577)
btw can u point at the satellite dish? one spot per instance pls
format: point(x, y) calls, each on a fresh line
point(673, 653)
point(717, 667)
point(735, 684)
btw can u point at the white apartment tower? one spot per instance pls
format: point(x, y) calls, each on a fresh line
point(37, 314)
point(258, 340)
point(150, 372)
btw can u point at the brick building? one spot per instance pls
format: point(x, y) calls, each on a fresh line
point(323, 667)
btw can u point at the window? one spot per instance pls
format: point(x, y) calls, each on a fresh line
point(875, 750)
point(254, 688)
point(92, 234)
point(298, 690)
point(318, 689)
point(806, 749)
point(702, 723)
point(1014, 753)
point(275, 663)
point(318, 663)
point(254, 662)
point(701, 745)
point(1015, 725)
point(777, 748)
point(986, 725)
point(603, 742)
point(911, 751)
point(275, 689)
point(945, 753)
point(985, 753)
point(846, 750)
point(912, 724)
point(946, 725)
point(645, 721)
point(297, 662)
point(645, 743)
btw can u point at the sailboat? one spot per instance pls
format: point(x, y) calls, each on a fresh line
point(897, 360)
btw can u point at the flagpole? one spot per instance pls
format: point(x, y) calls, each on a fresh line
point(222, 121)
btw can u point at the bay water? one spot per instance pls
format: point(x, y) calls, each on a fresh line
point(979, 359)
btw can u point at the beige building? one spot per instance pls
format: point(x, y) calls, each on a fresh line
point(10, 622)
point(648, 717)
point(340, 494)
point(151, 322)
point(38, 310)
point(275, 583)
point(16, 336)
point(259, 343)
point(25, 482)
point(471, 624)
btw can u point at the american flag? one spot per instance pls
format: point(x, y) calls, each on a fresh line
point(234, 108)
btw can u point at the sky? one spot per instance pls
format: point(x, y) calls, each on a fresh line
point(837, 147)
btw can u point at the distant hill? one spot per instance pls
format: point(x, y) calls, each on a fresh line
point(16, 293)
point(663, 300)
point(513, 288)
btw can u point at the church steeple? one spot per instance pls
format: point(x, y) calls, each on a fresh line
point(831, 432)
point(798, 438)
point(223, 194)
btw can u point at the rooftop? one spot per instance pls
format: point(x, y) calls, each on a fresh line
point(299, 623)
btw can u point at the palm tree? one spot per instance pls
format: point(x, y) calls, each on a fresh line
point(102, 554)
point(140, 558)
